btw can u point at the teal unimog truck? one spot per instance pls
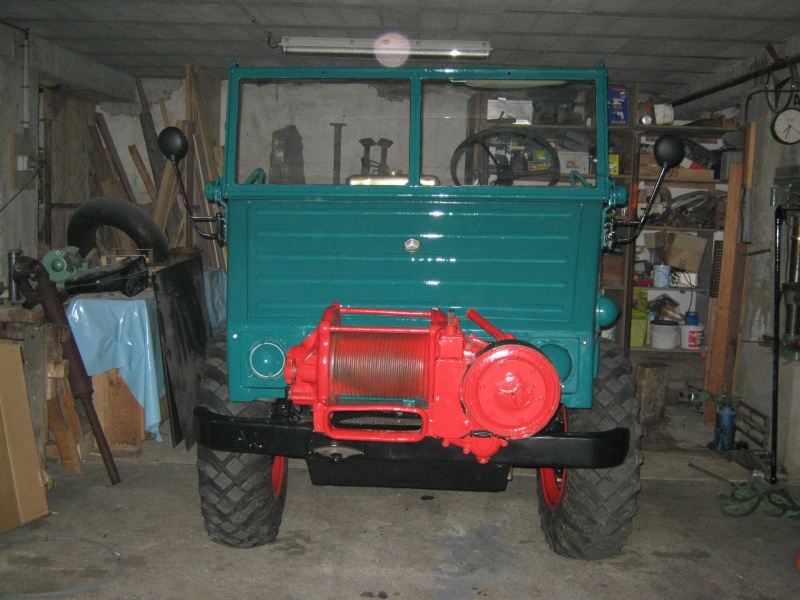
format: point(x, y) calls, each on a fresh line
point(414, 296)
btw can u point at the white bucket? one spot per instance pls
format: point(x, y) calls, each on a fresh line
point(661, 275)
point(664, 334)
point(692, 336)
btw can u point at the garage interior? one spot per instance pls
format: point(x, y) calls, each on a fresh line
point(86, 85)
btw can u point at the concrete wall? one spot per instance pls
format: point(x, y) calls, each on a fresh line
point(19, 219)
point(754, 362)
point(126, 128)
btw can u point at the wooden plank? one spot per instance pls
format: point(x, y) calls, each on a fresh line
point(164, 113)
point(748, 155)
point(167, 190)
point(212, 250)
point(143, 172)
point(188, 174)
point(104, 169)
point(35, 354)
point(68, 404)
point(17, 314)
point(46, 231)
point(57, 368)
point(105, 134)
point(22, 492)
point(157, 160)
point(727, 313)
point(203, 107)
point(62, 434)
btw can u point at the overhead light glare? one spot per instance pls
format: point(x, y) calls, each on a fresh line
point(384, 46)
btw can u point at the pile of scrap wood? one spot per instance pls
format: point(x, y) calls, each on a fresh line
point(201, 126)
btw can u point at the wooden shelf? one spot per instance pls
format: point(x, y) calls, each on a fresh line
point(685, 182)
point(668, 350)
point(692, 131)
point(672, 289)
point(669, 228)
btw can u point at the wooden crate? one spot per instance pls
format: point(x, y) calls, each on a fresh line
point(119, 413)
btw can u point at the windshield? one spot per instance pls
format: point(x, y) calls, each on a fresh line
point(531, 132)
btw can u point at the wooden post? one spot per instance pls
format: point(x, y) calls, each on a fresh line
point(727, 313)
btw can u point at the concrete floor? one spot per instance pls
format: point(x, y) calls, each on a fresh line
point(354, 543)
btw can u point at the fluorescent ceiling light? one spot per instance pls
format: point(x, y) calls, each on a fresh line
point(384, 46)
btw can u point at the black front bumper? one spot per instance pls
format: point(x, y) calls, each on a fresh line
point(281, 437)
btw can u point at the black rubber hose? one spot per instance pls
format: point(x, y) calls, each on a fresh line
point(122, 215)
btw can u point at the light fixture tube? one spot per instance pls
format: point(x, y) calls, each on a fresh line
point(362, 46)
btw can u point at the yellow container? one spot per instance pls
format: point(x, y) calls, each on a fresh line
point(613, 164)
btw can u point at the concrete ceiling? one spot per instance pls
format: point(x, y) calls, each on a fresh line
point(668, 47)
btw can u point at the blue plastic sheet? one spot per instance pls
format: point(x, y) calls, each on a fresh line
point(216, 287)
point(116, 332)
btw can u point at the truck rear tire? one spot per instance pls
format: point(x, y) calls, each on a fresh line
point(242, 496)
point(588, 513)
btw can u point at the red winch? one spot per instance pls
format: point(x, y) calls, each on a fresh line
point(404, 383)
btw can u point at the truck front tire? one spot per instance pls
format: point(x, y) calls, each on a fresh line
point(242, 496)
point(587, 513)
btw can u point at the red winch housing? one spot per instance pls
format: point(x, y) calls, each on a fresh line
point(402, 384)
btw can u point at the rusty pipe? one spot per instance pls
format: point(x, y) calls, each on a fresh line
point(79, 380)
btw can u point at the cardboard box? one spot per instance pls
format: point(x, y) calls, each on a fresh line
point(119, 413)
point(574, 161)
point(653, 239)
point(685, 251)
point(22, 484)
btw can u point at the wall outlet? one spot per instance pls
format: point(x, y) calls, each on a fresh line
point(23, 164)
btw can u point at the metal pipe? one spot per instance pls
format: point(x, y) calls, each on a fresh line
point(13, 255)
point(789, 62)
point(337, 152)
point(79, 380)
point(780, 214)
point(790, 287)
point(26, 113)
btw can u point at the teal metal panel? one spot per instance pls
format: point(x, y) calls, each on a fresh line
point(530, 268)
point(526, 258)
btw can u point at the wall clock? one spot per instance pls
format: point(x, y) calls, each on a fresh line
point(785, 126)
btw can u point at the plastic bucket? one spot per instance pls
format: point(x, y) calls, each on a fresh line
point(661, 275)
point(664, 334)
point(692, 336)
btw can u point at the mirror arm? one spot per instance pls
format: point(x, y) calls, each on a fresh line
point(219, 219)
point(647, 209)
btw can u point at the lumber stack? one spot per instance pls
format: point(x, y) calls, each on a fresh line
point(201, 126)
